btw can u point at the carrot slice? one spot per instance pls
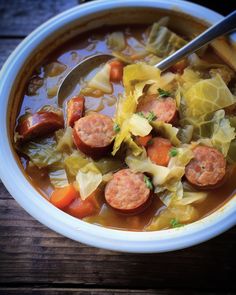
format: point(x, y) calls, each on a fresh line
point(75, 109)
point(116, 73)
point(82, 208)
point(62, 197)
point(159, 150)
point(144, 140)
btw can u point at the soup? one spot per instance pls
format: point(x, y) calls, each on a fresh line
point(131, 148)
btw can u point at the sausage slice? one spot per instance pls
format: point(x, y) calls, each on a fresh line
point(39, 124)
point(93, 134)
point(207, 168)
point(164, 108)
point(75, 109)
point(127, 191)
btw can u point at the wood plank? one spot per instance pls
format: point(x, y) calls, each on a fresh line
point(20, 17)
point(6, 47)
point(29, 252)
point(80, 291)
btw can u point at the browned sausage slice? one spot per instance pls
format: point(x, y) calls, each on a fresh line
point(93, 134)
point(164, 108)
point(127, 191)
point(207, 168)
point(39, 124)
point(75, 109)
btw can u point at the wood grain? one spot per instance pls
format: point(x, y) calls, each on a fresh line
point(32, 253)
point(20, 17)
point(6, 47)
point(80, 291)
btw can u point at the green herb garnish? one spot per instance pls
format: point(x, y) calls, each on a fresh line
point(141, 114)
point(163, 93)
point(150, 142)
point(151, 117)
point(116, 127)
point(173, 152)
point(175, 223)
point(148, 182)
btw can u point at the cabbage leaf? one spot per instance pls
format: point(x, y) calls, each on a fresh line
point(139, 126)
point(88, 179)
point(162, 41)
point(58, 177)
point(134, 125)
point(64, 140)
point(42, 152)
point(167, 130)
point(191, 197)
point(74, 162)
point(207, 96)
point(179, 214)
point(116, 41)
point(231, 156)
point(223, 133)
point(101, 80)
point(139, 72)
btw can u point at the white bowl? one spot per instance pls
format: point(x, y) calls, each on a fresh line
point(29, 198)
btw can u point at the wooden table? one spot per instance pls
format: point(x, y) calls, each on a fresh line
point(36, 260)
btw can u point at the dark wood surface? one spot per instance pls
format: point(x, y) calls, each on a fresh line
point(36, 260)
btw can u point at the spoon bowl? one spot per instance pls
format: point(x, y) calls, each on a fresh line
point(81, 70)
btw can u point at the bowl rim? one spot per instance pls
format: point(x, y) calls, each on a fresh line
point(32, 201)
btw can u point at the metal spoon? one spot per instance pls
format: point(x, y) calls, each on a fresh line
point(70, 81)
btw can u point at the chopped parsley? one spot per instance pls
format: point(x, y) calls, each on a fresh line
point(148, 182)
point(173, 152)
point(163, 93)
point(175, 223)
point(116, 127)
point(141, 114)
point(150, 142)
point(150, 116)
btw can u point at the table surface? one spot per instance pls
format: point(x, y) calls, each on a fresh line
point(36, 260)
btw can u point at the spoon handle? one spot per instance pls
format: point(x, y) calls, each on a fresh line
point(222, 27)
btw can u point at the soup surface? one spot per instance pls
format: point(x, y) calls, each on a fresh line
point(131, 148)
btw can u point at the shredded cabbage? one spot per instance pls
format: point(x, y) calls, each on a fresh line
point(64, 140)
point(116, 41)
point(180, 214)
point(223, 133)
point(58, 177)
point(162, 41)
point(54, 69)
point(136, 73)
point(191, 197)
point(101, 80)
point(88, 179)
point(134, 125)
point(231, 156)
point(167, 130)
point(185, 133)
point(139, 126)
point(207, 96)
point(74, 162)
point(42, 152)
